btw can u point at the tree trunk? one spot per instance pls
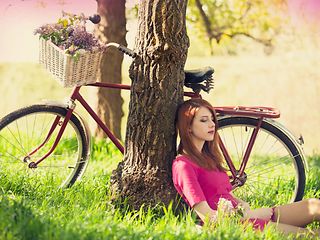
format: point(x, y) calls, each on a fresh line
point(112, 28)
point(144, 175)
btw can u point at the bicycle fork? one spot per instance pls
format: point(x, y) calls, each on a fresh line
point(239, 176)
point(56, 123)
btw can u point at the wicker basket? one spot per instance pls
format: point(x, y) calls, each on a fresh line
point(68, 71)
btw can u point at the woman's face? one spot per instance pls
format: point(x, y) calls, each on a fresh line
point(203, 126)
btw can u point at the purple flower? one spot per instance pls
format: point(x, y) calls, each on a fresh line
point(81, 39)
point(48, 29)
point(70, 35)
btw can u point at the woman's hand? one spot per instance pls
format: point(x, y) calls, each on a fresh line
point(244, 205)
point(262, 213)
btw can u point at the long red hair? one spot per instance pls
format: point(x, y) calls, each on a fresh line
point(210, 157)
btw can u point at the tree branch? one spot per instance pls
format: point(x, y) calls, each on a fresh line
point(218, 31)
point(207, 23)
point(249, 5)
point(266, 42)
point(205, 18)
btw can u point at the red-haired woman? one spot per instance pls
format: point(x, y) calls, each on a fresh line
point(199, 177)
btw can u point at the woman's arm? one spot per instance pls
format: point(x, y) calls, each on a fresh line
point(205, 212)
point(262, 213)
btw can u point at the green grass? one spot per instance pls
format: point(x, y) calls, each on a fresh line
point(33, 210)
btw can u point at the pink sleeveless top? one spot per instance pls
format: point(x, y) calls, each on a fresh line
point(196, 184)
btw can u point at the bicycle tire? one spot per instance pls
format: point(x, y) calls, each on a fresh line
point(25, 129)
point(285, 180)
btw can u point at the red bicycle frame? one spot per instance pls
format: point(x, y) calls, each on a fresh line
point(237, 175)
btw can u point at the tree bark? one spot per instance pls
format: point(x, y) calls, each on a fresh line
point(112, 28)
point(144, 175)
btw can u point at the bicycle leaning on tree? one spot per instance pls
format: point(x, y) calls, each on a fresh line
point(52, 140)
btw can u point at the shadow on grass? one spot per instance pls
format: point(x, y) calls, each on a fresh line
point(19, 222)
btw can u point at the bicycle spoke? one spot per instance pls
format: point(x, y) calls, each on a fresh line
point(255, 191)
point(45, 166)
point(27, 127)
point(235, 145)
point(249, 133)
point(54, 166)
point(267, 184)
point(276, 140)
point(42, 127)
point(249, 189)
point(265, 169)
point(34, 124)
point(22, 149)
point(258, 182)
point(264, 142)
point(11, 157)
point(46, 128)
point(283, 157)
point(270, 178)
point(224, 138)
point(12, 145)
point(256, 163)
point(20, 141)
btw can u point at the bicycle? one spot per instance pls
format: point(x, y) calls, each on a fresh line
point(52, 140)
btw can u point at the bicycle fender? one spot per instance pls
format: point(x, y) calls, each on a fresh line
point(55, 103)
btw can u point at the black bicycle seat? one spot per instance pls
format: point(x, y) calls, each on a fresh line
point(194, 78)
point(198, 75)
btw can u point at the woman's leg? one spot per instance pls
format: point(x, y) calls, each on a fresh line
point(298, 214)
point(290, 229)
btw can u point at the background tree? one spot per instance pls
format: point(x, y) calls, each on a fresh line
point(112, 28)
point(218, 20)
point(157, 76)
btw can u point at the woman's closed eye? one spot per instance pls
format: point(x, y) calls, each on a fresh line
point(206, 119)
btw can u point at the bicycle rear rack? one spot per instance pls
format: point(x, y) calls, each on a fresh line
point(256, 111)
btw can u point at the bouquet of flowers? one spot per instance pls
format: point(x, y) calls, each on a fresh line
point(70, 34)
point(225, 206)
point(68, 51)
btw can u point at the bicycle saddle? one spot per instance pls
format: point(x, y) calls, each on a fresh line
point(199, 79)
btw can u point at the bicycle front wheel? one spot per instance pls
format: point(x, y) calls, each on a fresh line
point(24, 130)
point(275, 172)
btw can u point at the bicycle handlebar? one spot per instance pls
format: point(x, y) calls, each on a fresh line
point(122, 48)
point(95, 19)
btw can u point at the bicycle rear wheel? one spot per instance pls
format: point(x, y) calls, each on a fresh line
point(24, 130)
point(275, 170)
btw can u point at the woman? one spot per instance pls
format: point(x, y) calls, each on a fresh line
point(200, 178)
